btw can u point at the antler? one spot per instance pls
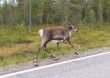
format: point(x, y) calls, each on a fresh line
point(75, 23)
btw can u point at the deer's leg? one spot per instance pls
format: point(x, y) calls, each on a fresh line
point(44, 45)
point(51, 55)
point(68, 41)
point(45, 49)
point(36, 59)
point(58, 45)
point(38, 51)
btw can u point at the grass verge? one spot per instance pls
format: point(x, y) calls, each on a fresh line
point(17, 47)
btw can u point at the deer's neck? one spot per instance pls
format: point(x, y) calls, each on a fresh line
point(70, 33)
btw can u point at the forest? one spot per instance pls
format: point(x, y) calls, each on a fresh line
point(38, 12)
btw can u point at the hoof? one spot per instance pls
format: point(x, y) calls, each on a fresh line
point(55, 58)
point(35, 63)
point(76, 53)
point(52, 56)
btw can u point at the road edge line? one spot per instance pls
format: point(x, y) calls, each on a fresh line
point(52, 65)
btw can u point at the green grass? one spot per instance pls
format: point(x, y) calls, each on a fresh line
point(10, 36)
point(17, 46)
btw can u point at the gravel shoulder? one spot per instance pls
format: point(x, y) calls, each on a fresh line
point(29, 65)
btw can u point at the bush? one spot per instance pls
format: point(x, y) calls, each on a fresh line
point(12, 36)
point(20, 30)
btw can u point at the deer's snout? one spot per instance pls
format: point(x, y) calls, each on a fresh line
point(77, 30)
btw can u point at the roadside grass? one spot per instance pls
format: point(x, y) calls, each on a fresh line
point(17, 47)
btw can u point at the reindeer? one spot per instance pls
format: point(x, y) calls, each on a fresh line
point(55, 34)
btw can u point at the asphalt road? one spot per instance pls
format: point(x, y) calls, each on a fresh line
point(93, 67)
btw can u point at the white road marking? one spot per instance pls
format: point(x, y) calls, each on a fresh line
point(52, 65)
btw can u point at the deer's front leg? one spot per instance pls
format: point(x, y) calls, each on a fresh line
point(68, 41)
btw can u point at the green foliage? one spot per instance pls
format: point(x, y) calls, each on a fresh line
point(21, 29)
point(55, 11)
point(8, 37)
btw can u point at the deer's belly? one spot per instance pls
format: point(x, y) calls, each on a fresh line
point(55, 41)
point(58, 36)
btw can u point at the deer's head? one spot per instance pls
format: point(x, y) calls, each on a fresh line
point(72, 27)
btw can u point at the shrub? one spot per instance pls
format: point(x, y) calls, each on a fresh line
point(12, 36)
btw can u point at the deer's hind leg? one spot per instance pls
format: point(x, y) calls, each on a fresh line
point(42, 46)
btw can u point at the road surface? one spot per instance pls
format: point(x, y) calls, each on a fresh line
point(94, 66)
